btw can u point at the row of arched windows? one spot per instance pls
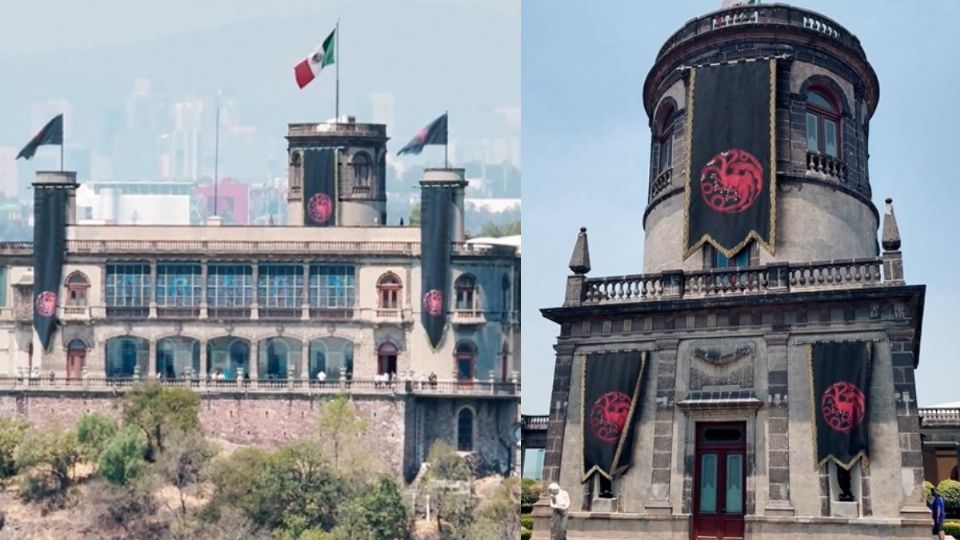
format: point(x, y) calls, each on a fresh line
point(389, 291)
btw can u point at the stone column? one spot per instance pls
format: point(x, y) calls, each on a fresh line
point(304, 360)
point(255, 307)
point(254, 360)
point(203, 362)
point(203, 289)
point(908, 423)
point(664, 367)
point(305, 300)
point(151, 359)
point(778, 435)
point(153, 290)
point(558, 415)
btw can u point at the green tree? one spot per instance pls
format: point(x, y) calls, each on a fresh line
point(121, 460)
point(94, 431)
point(415, 212)
point(158, 411)
point(341, 429)
point(500, 516)
point(529, 492)
point(55, 449)
point(11, 435)
point(379, 514)
point(950, 491)
point(493, 230)
point(185, 463)
point(446, 464)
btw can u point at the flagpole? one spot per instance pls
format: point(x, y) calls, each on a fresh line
point(337, 62)
point(216, 161)
point(61, 154)
point(446, 140)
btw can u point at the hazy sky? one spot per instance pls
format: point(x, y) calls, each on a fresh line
point(586, 152)
point(432, 55)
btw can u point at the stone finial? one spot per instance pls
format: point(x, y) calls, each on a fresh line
point(580, 260)
point(891, 234)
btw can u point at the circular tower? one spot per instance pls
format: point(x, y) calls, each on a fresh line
point(360, 184)
point(825, 93)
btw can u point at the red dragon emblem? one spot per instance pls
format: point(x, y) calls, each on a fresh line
point(609, 415)
point(319, 208)
point(731, 181)
point(433, 302)
point(46, 304)
point(843, 406)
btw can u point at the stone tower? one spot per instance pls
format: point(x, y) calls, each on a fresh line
point(361, 158)
point(720, 438)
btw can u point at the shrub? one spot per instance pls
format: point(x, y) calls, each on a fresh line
point(526, 534)
point(950, 491)
point(530, 491)
point(55, 448)
point(114, 505)
point(11, 434)
point(526, 521)
point(446, 464)
point(94, 431)
point(185, 462)
point(379, 513)
point(952, 527)
point(927, 486)
point(122, 458)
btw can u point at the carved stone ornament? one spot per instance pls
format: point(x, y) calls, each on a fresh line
point(719, 357)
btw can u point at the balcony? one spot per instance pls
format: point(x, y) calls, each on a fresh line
point(760, 280)
point(662, 183)
point(468, 317)
point(178, 312)
point(75, 313)
point(826, 166)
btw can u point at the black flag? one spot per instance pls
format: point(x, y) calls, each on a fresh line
point(435, 133)
point(840, 394)
point(320, 187)
point(48, 246)
point(52, 133)
point(731, 172)
point(611, 388)
point(436, 215)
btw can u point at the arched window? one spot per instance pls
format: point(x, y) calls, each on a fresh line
point(664, 136)
point(465, 430)
point(332, 356)
point(361, 163)
point(388, 290)
point(227, 357)
point(279, 358)
point(178, 357)
point(466, 356)
point(77, 286)
point(823, 122)
point(387, 358)
point(466, 289)
point(125, 356)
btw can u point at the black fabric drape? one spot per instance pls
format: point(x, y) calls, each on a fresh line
point(52, 133)
point(840, 393)
point(320, 187)
point(48, 247)
point(610, 407)
point(731, 174)
point(436, 221)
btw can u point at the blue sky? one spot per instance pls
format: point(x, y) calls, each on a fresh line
point(586, 144)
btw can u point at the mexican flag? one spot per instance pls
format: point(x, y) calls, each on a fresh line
point(320, 58)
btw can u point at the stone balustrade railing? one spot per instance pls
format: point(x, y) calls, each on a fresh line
point(768, 15)
point(531, 422)
point(354, 386)
point(663, 181)
point(826, 165)
point(942, 417)
point(772, 278)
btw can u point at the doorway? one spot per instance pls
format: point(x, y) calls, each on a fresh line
point(719, 480)
point(76, 354)
point(387, 359)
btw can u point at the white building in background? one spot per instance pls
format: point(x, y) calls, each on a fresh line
point(134, 202)
point(8, 172)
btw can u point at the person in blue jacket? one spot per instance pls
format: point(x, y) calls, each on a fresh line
point(939, 513)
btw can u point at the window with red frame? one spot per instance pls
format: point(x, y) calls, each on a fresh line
point(823, 123)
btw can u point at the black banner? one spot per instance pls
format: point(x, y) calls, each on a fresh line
point(52, 133)
point(435, 133)
point(436, 229)
point(840, 392)
point(48, 246)
point(731, 170)
point(610, 394)
point(320, 187)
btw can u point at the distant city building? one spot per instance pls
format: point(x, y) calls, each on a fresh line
point(162, 202)
point(231, 201)
point(9, 184)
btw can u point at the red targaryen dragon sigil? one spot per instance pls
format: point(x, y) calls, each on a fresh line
point(843, 406)
point(731, 182)
point(609, 415)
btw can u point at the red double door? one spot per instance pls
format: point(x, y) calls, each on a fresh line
point(719, 482)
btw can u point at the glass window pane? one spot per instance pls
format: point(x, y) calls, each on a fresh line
point(830, 138)
point(818, 99)
point(666, 153)
point(734, 493)
point(813, 136)
point(708, 483)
